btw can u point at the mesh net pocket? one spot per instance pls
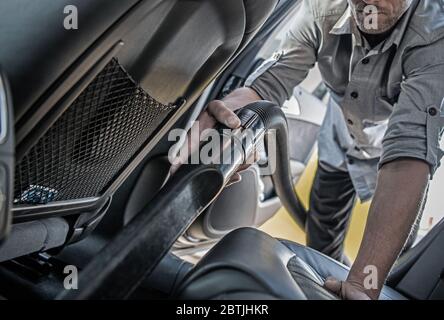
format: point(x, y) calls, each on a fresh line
point(91, 142)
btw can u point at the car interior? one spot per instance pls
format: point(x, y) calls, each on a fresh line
point(85, 117)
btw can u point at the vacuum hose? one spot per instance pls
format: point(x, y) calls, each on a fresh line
point(274, 122)
point(138, 248)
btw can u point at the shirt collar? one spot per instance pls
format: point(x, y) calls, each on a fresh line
point(397, 34)
point(344, 24)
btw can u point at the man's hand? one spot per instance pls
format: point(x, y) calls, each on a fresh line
point(218, 111)
point(346, 290)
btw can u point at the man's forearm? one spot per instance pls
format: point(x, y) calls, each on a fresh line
point(397, 201)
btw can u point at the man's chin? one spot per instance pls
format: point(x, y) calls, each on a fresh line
point(373, 31)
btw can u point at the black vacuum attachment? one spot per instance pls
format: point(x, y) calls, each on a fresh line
point(134, 253)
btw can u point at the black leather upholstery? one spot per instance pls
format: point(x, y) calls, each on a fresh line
point(249, 264)
point(34, 236)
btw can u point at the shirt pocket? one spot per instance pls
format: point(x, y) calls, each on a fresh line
point(393, 90)
point(382, 107)
point(375, 124)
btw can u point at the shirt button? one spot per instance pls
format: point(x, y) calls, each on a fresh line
point(354, 95)
point(350, 122)
point(350, 161)
point(433, 112)
point(365, 60)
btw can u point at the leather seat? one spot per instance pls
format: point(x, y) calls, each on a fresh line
point(249, 264)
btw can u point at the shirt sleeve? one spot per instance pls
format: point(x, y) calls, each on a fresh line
point(278, 76)
point(416, 125)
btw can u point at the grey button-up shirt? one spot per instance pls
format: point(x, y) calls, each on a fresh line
point(386, 102)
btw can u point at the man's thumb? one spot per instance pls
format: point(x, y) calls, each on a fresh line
point(332, 284)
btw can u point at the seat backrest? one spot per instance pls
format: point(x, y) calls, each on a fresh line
point(424, 261)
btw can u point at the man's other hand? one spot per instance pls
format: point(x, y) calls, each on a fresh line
point(346, 290)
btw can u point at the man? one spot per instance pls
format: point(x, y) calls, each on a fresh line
point(383, 63)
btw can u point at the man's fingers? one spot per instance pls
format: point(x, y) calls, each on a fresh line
point(223, 114)
point(345, 290)
point(217, 111)
point(333, 285)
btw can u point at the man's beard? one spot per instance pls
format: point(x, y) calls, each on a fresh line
point(377, 21)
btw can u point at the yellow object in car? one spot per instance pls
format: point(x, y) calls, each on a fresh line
point(282, 225)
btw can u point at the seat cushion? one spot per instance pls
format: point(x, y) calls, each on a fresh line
point(249, 264)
